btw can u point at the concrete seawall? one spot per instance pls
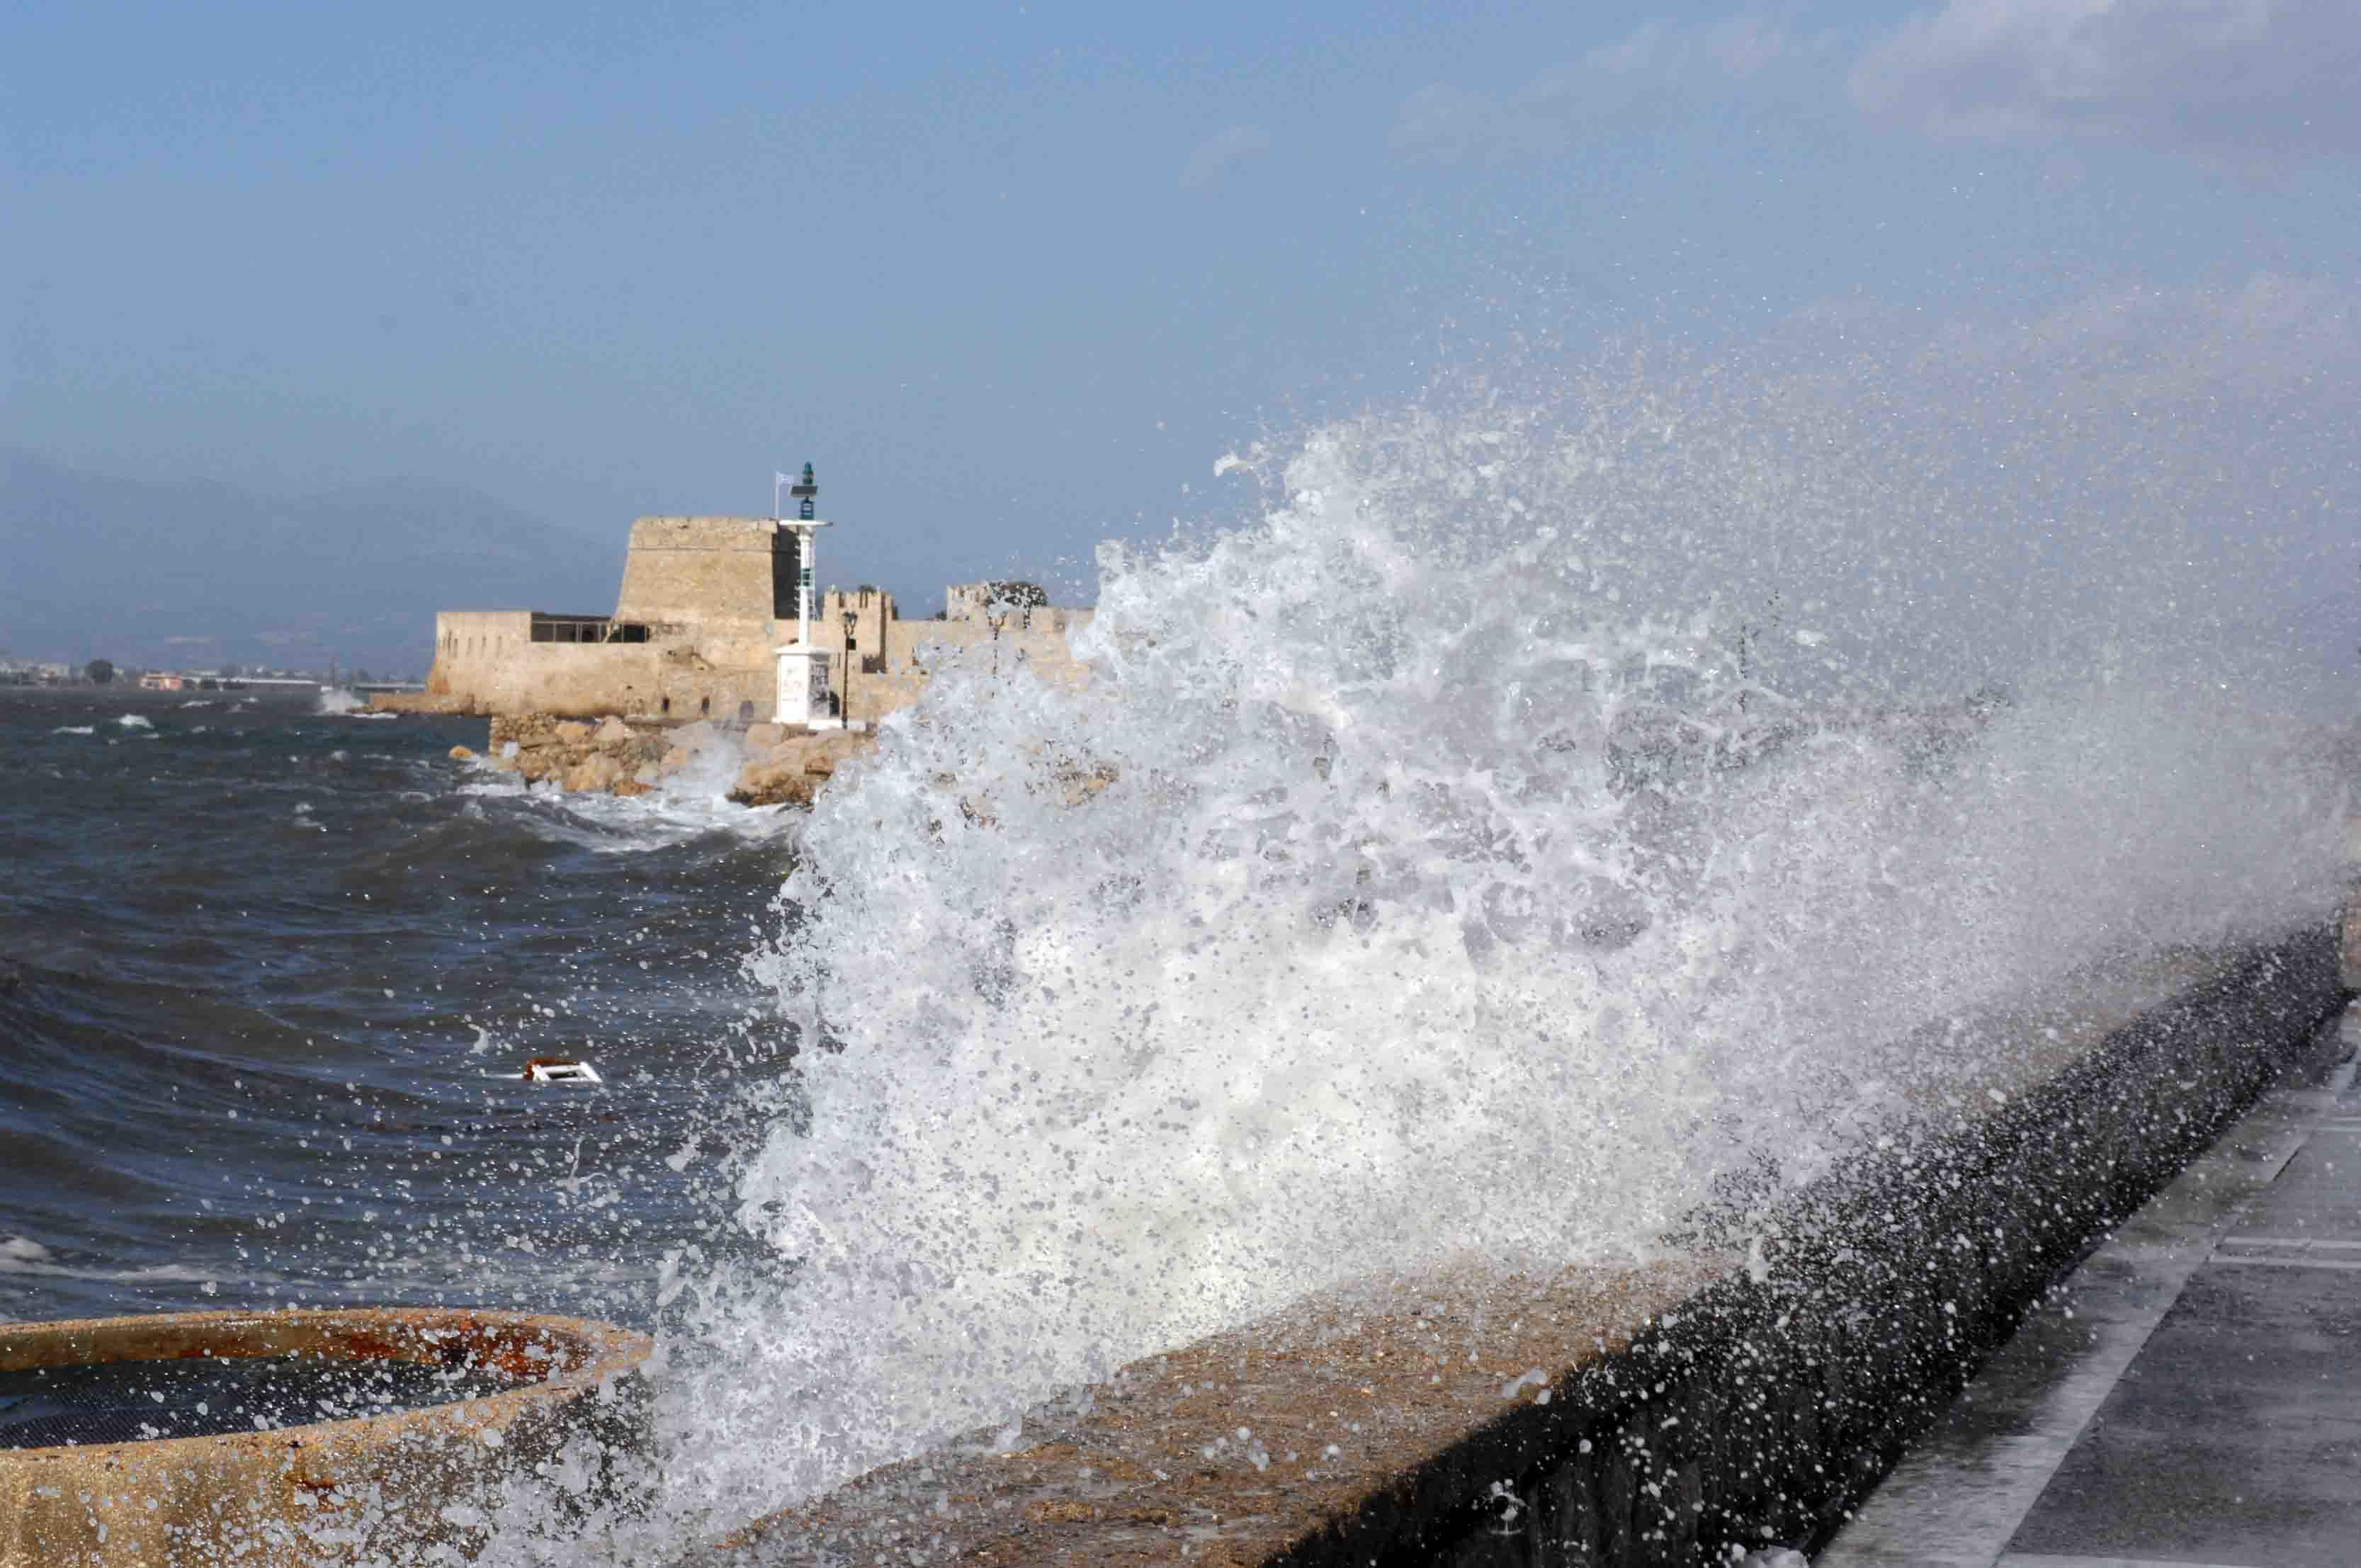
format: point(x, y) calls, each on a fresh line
point(346, 1487)
point(1745, 1392)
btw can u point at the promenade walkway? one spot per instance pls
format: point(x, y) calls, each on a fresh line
point(2191, 1395)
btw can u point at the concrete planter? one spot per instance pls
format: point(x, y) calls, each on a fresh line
point(570, 1396)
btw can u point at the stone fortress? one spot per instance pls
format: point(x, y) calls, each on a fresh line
point(717, 620)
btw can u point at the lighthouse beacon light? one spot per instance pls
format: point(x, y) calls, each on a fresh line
point(803, 683)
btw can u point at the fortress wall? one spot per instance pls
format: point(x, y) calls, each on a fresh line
point(1040, 638)
point(874, 617)
point(588, 680)
point(688, 687)
point(916, 649)
point(910, 651)
point(486, 662)
point(1748, 1391)
point(479, 634)
point(573, 680)
point(687, 570)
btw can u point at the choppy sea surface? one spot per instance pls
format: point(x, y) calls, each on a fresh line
point(268, 979)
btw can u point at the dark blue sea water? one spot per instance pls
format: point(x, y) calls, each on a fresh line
point(269, 976)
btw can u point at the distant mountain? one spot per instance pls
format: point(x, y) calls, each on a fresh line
point(193, 573)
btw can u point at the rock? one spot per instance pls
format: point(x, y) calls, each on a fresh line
point(571, 731)
point(764, 737)
point(613, 731)
point(596, 772)
point(1079, 784)
point(629, 787)
point(461, 754)
point(675, 759)
point(775, 783)
point(698, 737)
point(792, 771)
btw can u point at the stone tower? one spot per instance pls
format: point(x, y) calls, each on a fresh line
point(685, 571)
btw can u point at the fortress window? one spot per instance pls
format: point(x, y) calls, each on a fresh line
point(745, 713)
point(705, 705)
point(664, 708)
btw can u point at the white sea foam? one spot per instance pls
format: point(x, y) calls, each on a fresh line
point(135, 721)
point(1409, 884)
point(20, 1253)
point(691, 803)
point(338, 700)
point(75, 729)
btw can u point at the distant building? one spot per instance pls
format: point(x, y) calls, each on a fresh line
point(162, 680)
point(707, 606)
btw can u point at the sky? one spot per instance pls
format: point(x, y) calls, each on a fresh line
point(1015, 276)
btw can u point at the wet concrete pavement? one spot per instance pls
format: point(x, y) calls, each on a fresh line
point(2191, 1395)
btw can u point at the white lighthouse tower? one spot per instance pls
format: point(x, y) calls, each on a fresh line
point(803, 668)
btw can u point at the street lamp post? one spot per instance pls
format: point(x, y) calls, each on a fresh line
point(852, 621)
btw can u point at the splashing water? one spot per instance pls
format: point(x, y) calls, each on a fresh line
point(1423, 876)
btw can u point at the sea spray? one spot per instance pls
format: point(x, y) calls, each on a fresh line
point(1427, 872)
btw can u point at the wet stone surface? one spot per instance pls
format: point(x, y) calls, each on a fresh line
point(2235, 1437)
point(132, 1401)
point(2189, 1395)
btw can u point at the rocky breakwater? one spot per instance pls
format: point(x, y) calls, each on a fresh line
point(609, 756)
point(787, 767)
point(767, 764)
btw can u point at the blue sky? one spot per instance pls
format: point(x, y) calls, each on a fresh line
point(1014, 276)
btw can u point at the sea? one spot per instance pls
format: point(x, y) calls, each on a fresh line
point(1514, 819)
point(272, 970)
